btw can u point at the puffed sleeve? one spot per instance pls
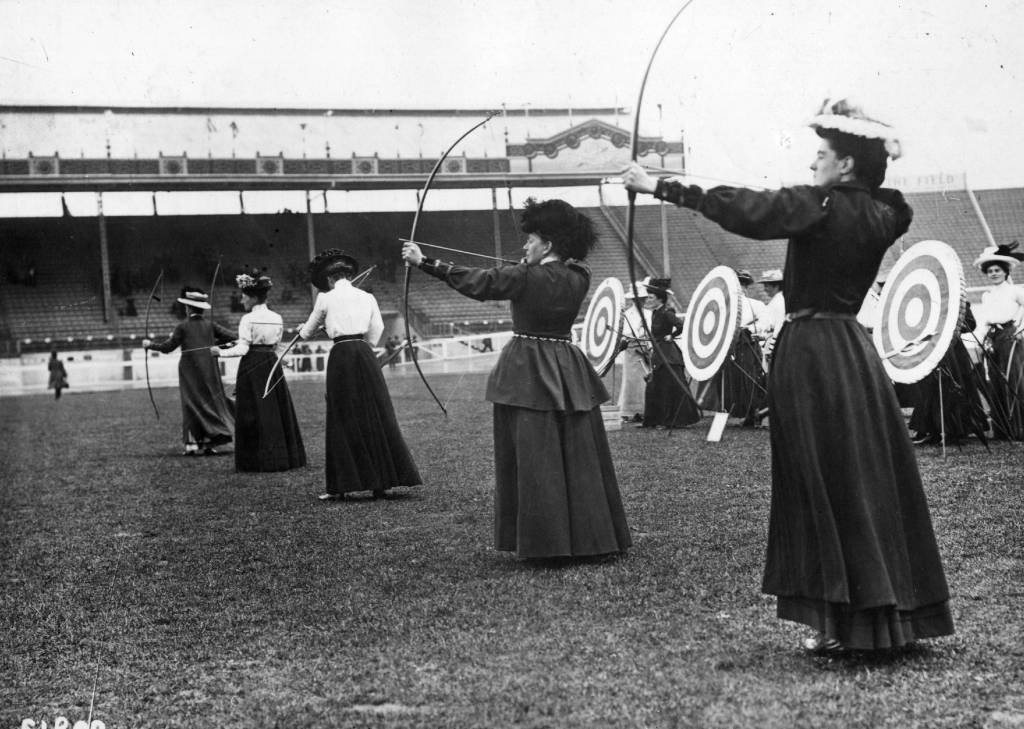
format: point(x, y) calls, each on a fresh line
point(316, 318)
point(482, 284)
point(762, 215)
point(376, 327)
point(244, 338)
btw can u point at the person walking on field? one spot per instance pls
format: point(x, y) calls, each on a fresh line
point(58, 375)
point(851, 551)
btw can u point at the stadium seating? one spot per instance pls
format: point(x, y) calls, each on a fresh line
point(64, 306)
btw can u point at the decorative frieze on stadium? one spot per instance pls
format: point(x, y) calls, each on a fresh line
point(593, 129)
point(278, 165)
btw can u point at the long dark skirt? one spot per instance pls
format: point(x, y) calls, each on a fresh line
point(1005, 383)
point(745, 379)
point(851, 551)
point(365, 448)
point(267, 436)
point(207, 413)
point(665, 402)
point(738, 388)
point(556, 494)
point(959, 409)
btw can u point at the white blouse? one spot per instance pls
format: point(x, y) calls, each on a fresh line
point(1003, 303)
point(345, 310)
point(258, 326)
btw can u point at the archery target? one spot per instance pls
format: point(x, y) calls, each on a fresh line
point(712, 322)
point(602, 325)
point(920, 310)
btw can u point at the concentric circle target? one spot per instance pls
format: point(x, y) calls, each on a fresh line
point(921, 308)
point(712, 322)
point(602, 326)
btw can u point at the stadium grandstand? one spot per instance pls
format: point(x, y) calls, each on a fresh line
point(80, 282)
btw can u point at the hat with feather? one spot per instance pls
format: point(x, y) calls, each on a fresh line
point(1006, 254)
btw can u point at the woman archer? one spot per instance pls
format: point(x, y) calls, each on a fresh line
point(851, 551)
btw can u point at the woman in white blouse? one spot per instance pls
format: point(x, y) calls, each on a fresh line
point(365, 450)
point(1002, 322)
point(267, 436)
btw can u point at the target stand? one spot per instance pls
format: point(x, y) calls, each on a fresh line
point(710, 330)
point(921, 309)
point(602, 326)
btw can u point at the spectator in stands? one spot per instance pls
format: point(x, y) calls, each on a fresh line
point(129, 307)
point(667, 399)
point(267, 436)
point(1003, 309)
point(365, 449)
point(556, 492)
point(851, 552)
point(58, 375)
point(207, 413)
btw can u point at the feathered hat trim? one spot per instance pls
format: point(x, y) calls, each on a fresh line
point(1006, 253)
point(846, 116)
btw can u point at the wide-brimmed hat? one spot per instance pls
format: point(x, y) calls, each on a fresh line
point(641, 288)
point(318, 266)
point(845, 115)
point(1006, 253)
point(744, 276)
point(196, 298)
point(253, 283)
point(659, 286)
point(771, 276)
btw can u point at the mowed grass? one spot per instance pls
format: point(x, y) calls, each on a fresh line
point(185, 594)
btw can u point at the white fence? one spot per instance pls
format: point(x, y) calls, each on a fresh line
point(125, 369)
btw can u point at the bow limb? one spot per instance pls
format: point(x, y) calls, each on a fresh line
point(631, 209)
point(145, 352)
point(408, 268)
point(268, 387)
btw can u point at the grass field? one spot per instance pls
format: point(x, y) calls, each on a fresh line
point(185, 594)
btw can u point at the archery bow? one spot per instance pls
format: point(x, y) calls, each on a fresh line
point(145, 352)
point(631, 209)
point(408, 268)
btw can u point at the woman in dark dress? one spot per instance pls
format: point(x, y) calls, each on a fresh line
point(207, 414)
point(666, 404)
point(365, 450)
point(556, 494)
point(267, 436)
point(851, 551)
point(947, 400)
point(58, 375)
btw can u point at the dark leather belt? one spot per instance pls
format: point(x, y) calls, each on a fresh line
point(816, 314)
point(263, 347)
point(349, 338)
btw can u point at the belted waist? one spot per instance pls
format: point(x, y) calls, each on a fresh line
point(263, 347)
point(349, 338)
point(817, 314)
point(544, 337)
